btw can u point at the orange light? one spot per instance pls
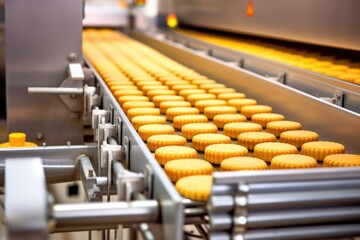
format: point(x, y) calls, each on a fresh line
point(171, 20)
point(250, 9)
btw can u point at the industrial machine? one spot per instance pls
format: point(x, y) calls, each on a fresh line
point(56, 96)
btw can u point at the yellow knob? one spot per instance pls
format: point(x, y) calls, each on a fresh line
point(17, 139)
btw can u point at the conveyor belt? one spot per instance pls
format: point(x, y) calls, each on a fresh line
point(121, 60)
point(344, 69)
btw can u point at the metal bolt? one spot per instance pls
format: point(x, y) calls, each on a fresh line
point(74, 117)
point(73, 96)
point(39, 136)
point(72, 57)
point(91, 173)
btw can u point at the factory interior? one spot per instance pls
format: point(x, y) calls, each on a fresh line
point(180, 119)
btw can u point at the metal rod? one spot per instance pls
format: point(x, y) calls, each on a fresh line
point(59, 163)
point(55, 90)
point(300, 186)
point(221, 203)
point(284, 175)
point(302, 217)
point(272, 201)
point(220, 222)
point(311, 232)
point(81, 216)
point(191, 212)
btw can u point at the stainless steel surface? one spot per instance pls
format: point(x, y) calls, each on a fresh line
point(38, 43)
point(59, 163)
point(89, 180)
point(323, 22)
point(83, 216)
point(54, 90)
point(307, 232)
point(25, 199)
point(140, 159)
point(312, 113)
point(317, 85)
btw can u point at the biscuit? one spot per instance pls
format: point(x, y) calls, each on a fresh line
point(202, 104)
point(139, 121)
point(277, 127)
point(239, 103)
point(200, 82)
point(142, 112)
point(186, 92)
point(234, 129)
point(208, 86)
point(218, 91)
point(170, 104)
point(264, 118)
point(115, 88)
point(197, 188)
point(124, 99)
point(298, 137)
point(153, 93)
point(168, 153)
point(342, 160)
point(136, 104)
point(162, 98)
point(248, 111)
point(148, 88)
point(178, 88)
point(162, 140)
point(212, 111)
point(180, 168)
point(216, 153)
point(251, 139)
point(242, 163)
point(127, 92)
point(191, 129)
point(266, 151)
point(193, 98)
point(287, 161)
point(180, 121)
point(232, 95)
point(222, 119)
point(146, 131)
point(178, 111)
point(201, 141)
point(320, 149)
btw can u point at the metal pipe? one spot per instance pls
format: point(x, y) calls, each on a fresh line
point(301, 217)
point(310, 232)
point(55, 90)
point(301, 186)
point(220, 222)
point(191, 212)
point(82, 216)
point(221, 203)
point(59, 163)
point(272, 201)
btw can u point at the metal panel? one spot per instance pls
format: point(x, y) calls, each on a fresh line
point(39, 36)
point(324, 22)
point(331, 122)
point(172, 218)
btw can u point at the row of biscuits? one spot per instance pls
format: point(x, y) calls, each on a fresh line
point(343, 69)
point(149, 85)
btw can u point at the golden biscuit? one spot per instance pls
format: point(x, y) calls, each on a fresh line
point(178, 111)
point(222, 119)
point(170, 104)
point(248, 111)
point(232, 95)
point(277, 127)
point(142, 112)
point(128, 92)
point(153, 93)
point(191, 129)
point(212, 111)
point(218, 91)
point(342, 160)
point(168, 153)
point(264, 118)
point(162, 140)
point(242, 163)
point(234, 129)
point(208, 86)
point(149, 130)
point(216, 153)
point(197, 188)
point(266, 151)
point(193, 98)
point(147, 88)
point(298, 137)
point(251, 139)
point(162, 98)
point(178, 88)
point(186, 92)
point(239, 103)
point(287, 161)
point(180, 121)
point(125, 99)
point(202, 104)
point(139, 121)
point(201, 141)
point(180, 168)
point(136, 104)
point(320, 149)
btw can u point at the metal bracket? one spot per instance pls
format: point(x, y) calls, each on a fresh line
point(119, 127)
point(281, 78)
point(149, 180)
point(88, 177)
point(126, 152)
point(98, 116)
point(337, 99)
point(26, 202)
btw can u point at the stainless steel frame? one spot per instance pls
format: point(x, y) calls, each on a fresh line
point(330, 121)
point(323, 22)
